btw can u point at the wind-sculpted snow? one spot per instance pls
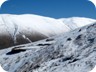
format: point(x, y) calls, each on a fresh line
point(22, 29)
point(73, 51)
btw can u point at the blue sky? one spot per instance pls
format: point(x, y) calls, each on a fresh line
point(50, 8)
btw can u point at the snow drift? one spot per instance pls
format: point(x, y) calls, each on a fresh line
point(22, 29)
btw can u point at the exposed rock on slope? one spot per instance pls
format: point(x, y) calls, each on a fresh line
point(74, 51)
point(22, 29)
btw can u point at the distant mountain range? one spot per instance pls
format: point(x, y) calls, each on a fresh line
point(22, 29)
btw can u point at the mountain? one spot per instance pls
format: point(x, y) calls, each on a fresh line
point(26, 28)
point(75, 22)
point(73, 51)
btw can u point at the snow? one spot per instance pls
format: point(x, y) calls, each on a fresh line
point(35, 27)
point(75, 22)
point(26, 38)
point(73, 51)
point(68, 47)
point(2, 70)
point(94, 70)
point(36, 23)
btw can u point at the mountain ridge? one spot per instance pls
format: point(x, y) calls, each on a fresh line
point(21, 29)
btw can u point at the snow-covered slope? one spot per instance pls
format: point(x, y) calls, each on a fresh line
point(21, 29)
point(74, 51)
point(75, 22)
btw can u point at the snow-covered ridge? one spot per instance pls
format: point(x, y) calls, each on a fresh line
point(75, 22)
point(73, 51)
point(21, 29)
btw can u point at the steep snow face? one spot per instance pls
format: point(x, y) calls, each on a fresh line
point(21, 29)
point(74, 51)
